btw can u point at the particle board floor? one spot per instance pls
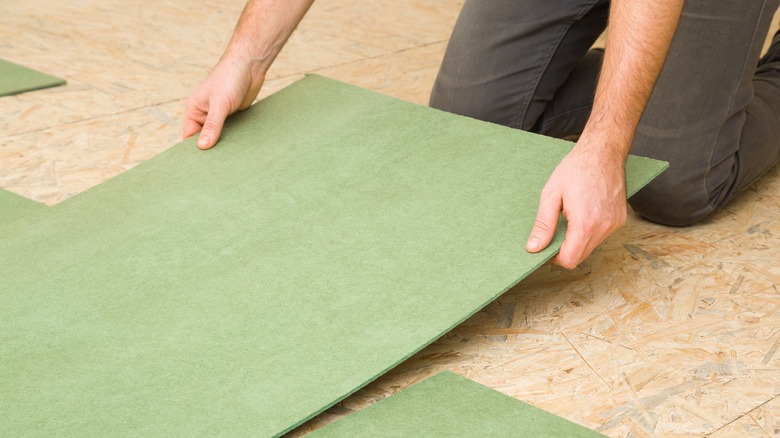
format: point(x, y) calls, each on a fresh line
point(661, 332)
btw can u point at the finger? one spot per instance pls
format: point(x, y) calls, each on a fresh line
point(190, 127)
point(212, 127)
point(546, 222)
point(193, 120)
point(574, 249)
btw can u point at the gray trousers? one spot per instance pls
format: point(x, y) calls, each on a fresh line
point(714, 113)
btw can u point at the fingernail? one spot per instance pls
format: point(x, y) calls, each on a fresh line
point(203, 141)
point(533, 243)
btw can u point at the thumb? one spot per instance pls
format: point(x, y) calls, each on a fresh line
point(545, 224)
point(212, 127)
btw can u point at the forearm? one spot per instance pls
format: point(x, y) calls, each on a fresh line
point(262, 31)
point(640, 33)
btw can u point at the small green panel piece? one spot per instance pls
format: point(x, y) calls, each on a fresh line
point(450, 406)
point(15, 79)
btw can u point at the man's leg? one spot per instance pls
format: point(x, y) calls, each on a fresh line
point(507, 59)
point(569, 111)
point(712, 115)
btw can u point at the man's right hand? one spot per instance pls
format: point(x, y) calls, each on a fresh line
point(232, 86)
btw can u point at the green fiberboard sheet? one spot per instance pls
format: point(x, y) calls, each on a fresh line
point(448, 405)
point(14, 207)
point(15, 79)
point(332, 233)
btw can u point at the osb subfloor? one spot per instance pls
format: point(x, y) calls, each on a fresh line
point(661, 332)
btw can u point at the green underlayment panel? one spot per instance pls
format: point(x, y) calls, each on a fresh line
point(15, 79)
point(332, 233)
point(14, 207)
point(448, 405)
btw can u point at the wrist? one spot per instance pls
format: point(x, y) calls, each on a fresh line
point(611, 140)
point(242, 59)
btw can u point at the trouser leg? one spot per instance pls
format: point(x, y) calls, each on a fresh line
point(711, 115)
point(568, 112)
point(507, 60)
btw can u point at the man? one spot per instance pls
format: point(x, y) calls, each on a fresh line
point(688, 94)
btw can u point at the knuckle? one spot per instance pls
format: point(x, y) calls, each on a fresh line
point(567, 257)
point(542, 225)
point(568, 263)
point(210, 126)
point(192, 102)
point(225, 105)
point(588, 226)
point(548, 194)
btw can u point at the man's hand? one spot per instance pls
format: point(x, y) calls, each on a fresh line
point(261, 32)
point(590, 189)
point(232, 86)
point(589, 185)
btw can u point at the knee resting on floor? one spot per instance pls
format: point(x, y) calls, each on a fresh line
point(667, 204)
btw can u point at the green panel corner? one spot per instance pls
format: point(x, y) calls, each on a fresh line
point(14, 207)
point(15, 79)
point(450, 406)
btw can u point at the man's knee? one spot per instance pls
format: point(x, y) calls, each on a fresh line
point(672, 204)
